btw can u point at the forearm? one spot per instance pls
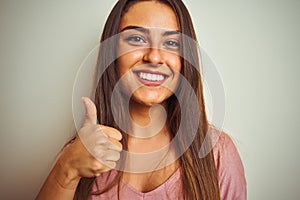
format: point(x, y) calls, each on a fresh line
point(58, 186)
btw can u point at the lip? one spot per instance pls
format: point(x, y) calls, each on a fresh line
point(149, 82)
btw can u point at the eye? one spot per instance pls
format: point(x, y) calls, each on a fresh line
point(135, 39)
point(172, 44)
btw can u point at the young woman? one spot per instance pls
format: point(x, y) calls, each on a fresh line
point(149, 51)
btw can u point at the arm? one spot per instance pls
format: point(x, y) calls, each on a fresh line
point(58, 185)
point(95, 149)
point(232, 180)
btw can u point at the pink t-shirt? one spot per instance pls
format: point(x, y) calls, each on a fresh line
point(230, 170)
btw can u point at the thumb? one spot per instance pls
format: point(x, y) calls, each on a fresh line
point(91, 111)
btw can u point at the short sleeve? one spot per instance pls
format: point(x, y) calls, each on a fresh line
point(230, 169)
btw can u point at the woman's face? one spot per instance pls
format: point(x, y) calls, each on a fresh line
point(148, 47)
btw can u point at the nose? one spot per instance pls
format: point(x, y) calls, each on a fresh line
point(153, 56)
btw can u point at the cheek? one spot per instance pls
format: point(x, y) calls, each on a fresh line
point(127, 61)
point(175, 63)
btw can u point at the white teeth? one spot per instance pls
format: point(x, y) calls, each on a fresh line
point(151, 77)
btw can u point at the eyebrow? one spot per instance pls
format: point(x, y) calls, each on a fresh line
point(145, 30)
point(138, 28)
point(171, 33)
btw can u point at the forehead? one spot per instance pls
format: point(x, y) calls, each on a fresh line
point(150, 14)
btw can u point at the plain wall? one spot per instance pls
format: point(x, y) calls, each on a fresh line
point(255, 45)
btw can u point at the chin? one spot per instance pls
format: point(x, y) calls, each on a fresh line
point(150, 100)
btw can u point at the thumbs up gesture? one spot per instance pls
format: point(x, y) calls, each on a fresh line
point(96, 149)
point(101, 141)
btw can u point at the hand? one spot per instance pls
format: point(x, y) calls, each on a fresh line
point(96, 149)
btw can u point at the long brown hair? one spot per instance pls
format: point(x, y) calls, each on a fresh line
point(199, 175)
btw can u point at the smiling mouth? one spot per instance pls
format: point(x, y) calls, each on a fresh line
point(151, 78)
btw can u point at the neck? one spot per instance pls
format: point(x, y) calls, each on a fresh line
point(148, 131)
point(139, 113)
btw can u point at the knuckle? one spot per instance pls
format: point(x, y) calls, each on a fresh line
point(118, 155)
point(96, 166)
point(111, 164)
point(99, 127)
point(119, 146)
point(102, 140)
point(95, 128)
point(99, 153)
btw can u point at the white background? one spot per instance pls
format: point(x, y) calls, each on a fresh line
point(255, 45)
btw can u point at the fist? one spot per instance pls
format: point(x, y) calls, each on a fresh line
point(102, 142)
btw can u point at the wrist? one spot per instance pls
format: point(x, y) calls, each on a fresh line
point(66, 177)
